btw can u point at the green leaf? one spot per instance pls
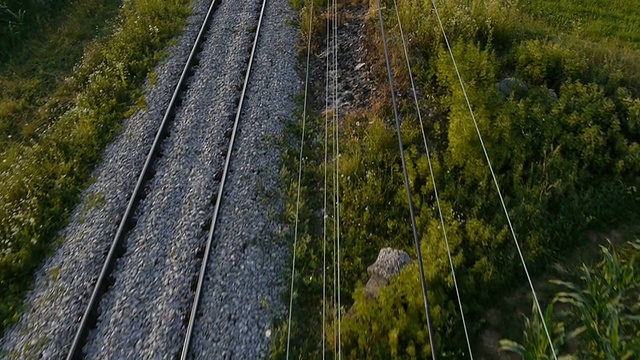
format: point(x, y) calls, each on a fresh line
point(512, 346)
point(575, 333)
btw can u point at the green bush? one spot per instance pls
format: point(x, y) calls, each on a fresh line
point(474, 21)
point(564, 146)
point(565, 163)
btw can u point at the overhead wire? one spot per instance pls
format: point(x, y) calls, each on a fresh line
point(337, 165)
point(433, 181)
point(331, 92)
point(495, 181)
point(326, 214)
point(425, 296)
point(297, 217)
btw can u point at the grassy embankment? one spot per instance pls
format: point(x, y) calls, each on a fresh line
point(70, 71)
point(565, 144)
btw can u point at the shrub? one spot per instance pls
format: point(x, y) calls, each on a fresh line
point(564, 147)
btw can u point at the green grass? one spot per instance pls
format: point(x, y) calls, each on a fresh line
point(20, 20)
point(598, 20)
point(33, 75)
point(65, 103)
point(605, 31)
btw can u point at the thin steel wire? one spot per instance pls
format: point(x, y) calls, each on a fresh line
point(295, 231)
point(337, 165)
point(326, 214)
point(334, 298)
point(433, 181)
point(495, 181)
point(337, 158)
point(406, 182)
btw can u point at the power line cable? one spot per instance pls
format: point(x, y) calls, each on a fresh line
point(433, 181)
point(495, 181)
point(337, 141)
point(334, 298)
point(406, 182)
point(295, 231)
point(326, 214)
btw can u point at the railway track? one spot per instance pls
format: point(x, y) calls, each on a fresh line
point(109, 273)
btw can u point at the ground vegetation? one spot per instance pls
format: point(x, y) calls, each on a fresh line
point(557, 103)
point(75, 70)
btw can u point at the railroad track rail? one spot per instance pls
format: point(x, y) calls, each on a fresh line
point(108, 274)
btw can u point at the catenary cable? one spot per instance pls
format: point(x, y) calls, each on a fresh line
point(433, 181)
point(325, 212)
point(425, 297)
point(295, 231)
point(495, 181)
point(330, 90)
point(337, 158)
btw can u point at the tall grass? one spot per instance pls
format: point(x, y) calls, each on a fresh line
point(20, 18)
point(602, 316)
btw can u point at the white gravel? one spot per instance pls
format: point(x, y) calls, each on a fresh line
point(142, 314)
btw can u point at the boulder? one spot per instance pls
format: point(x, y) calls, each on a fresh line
point(389, 264)
point(509, 85)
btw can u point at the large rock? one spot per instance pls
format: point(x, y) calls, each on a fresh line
point(509, 85)
point(389, 264)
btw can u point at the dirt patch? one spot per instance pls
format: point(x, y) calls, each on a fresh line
point(356, 60)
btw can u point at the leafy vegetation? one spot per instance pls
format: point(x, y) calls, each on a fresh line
point(43, 177)
point(560, 118)
point(601, 309)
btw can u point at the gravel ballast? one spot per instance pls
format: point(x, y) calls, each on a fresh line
point(244, 282)
point(143, 314)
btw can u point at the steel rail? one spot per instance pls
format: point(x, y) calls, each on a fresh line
point(203, 268)
point(90, 315)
